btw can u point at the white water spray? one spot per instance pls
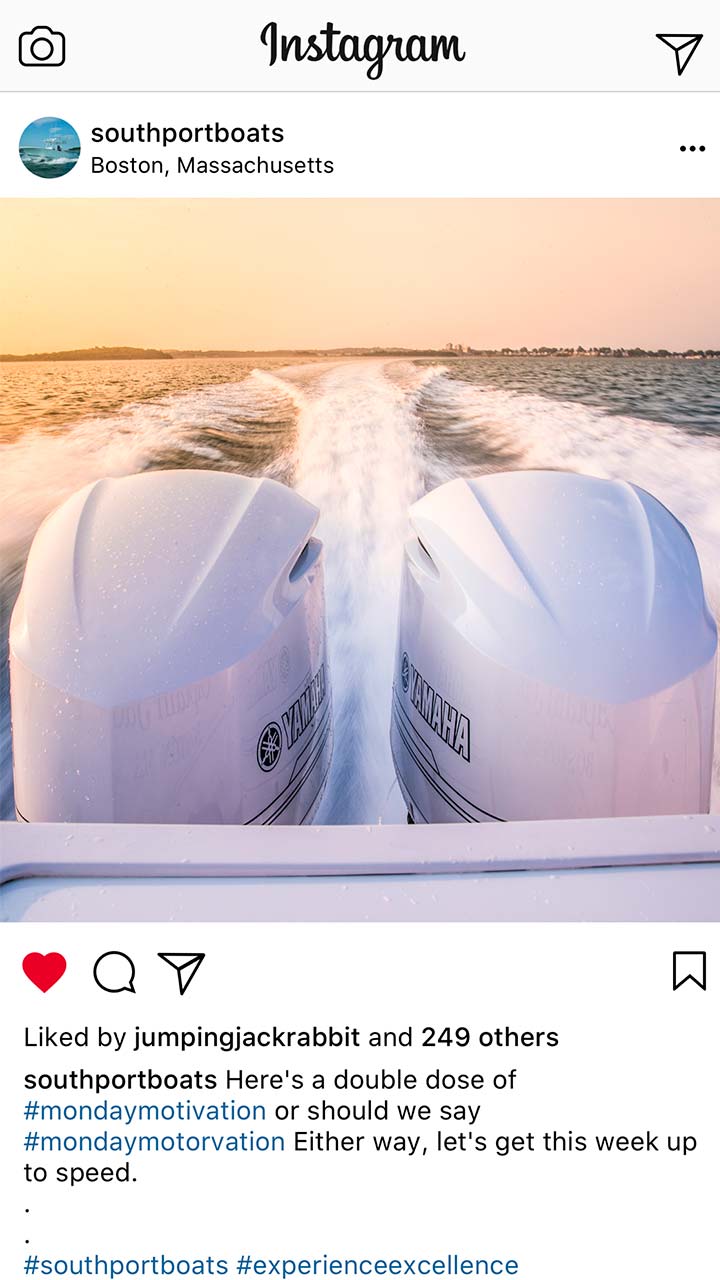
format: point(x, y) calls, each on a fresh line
point(358, 452)
point(359, 459)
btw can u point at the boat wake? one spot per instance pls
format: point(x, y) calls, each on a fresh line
point(362, 440)
point(533, 431)
point(359, 458)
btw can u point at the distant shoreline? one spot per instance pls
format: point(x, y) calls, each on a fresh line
point(149, 353)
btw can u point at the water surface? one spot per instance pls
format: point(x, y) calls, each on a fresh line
point(362, 439)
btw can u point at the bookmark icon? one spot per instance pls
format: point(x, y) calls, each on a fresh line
point(690, 966)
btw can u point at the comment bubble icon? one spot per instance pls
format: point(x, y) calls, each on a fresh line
point(114, 972)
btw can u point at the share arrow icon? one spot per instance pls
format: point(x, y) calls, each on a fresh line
point(185, 964)
point(683, 47)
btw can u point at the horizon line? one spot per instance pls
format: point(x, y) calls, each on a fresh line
point(120, 351)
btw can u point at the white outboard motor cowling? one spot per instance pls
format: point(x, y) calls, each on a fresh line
point(167, 655)
point(556, 654)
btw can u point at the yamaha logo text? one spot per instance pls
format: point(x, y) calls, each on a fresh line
point(305, 708)
point(443, 718)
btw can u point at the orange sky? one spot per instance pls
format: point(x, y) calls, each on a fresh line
point(285, 273)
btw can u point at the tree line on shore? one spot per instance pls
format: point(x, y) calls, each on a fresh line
point(452, 350)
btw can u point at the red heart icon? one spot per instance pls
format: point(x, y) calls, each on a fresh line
point(44, 971)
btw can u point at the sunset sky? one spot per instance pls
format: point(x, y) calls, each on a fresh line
point(323, 273)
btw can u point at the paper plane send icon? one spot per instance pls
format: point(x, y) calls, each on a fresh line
point(186, 965)
point(683, 47)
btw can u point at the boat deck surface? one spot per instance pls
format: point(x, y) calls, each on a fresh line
point(660, 868)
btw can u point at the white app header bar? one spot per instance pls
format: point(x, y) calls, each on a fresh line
point(370, 47)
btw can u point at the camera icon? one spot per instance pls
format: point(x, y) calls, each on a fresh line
point(42, 47)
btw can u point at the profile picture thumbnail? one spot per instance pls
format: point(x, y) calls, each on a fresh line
point(49, 147)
